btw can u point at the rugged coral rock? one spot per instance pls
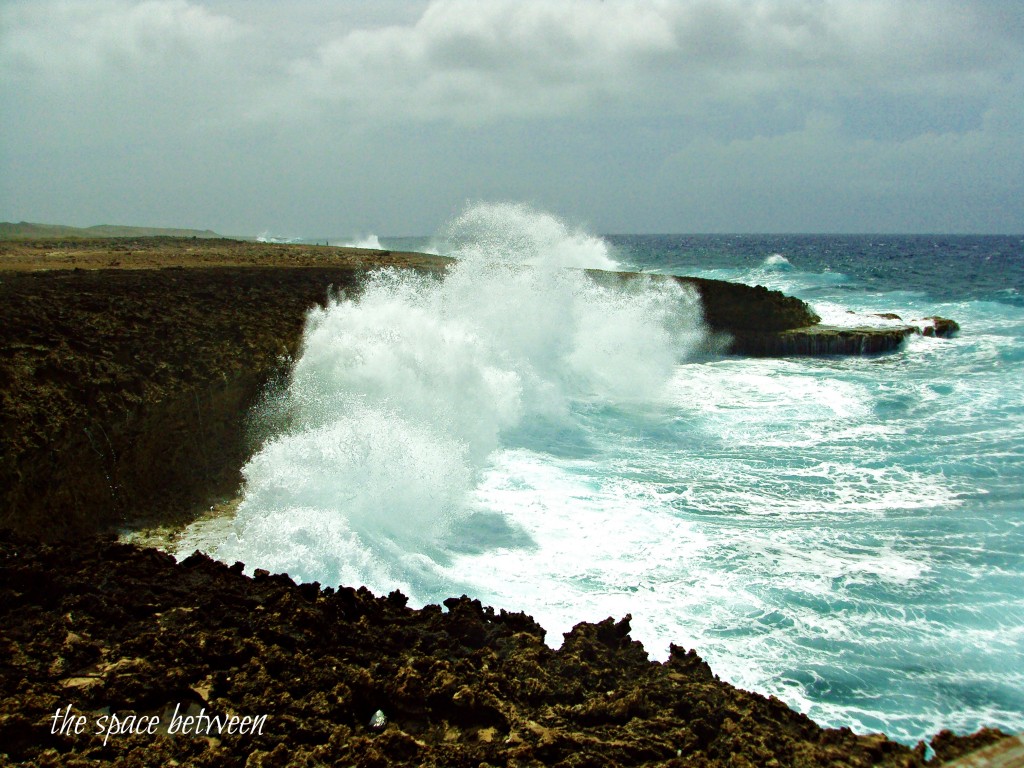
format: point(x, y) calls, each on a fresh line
point(95, 630)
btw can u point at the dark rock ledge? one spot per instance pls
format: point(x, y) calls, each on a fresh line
point(758, 322)
point(111, 629)
point(819, 339)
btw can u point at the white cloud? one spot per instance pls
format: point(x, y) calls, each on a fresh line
point(78, 40)
point(471, 61)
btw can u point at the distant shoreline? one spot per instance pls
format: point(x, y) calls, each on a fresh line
point(24, 230)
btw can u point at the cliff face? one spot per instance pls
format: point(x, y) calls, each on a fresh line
point(125, 390)
point(740, 309)
point(732, 308)
point(127, 385)
point(127, 367)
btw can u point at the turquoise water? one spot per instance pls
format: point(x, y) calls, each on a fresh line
point(846, 534)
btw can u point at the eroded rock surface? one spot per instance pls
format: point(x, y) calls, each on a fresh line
point(110, 629)
point(127, 369)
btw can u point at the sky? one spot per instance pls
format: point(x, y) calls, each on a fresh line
point(317, 118)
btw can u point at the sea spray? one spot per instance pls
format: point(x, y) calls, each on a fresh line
point(844, 534)
point(371, 242)
point(514, 233)
point(400, 397)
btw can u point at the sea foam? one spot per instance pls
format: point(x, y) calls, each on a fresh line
point(843, 533)
point(401, 396)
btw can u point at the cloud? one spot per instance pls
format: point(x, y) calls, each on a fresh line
point(81, 41)
point(817, 178)
point(466, 61)
point(633, 114)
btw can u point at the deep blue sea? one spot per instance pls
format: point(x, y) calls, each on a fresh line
point(844, 533)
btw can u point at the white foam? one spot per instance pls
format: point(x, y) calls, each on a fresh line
point(811, 526)
point(266, 237)
point(515, 233)
point(399, 397)
point(371, 242)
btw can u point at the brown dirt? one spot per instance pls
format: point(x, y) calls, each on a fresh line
point(164, 252)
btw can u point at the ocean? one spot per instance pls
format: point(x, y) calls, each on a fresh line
point(846, 534)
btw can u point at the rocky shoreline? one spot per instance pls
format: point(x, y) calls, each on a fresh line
point(127, 365)
point(94, 630)
point(757, 322)
point(126, 370)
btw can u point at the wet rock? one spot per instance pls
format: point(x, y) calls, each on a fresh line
point(941, 327)
point(820, 340)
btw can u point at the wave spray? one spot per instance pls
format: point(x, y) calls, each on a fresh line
point(402, 397)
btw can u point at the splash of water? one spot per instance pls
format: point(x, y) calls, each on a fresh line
point(401, 396)
point(266, 237)
point(371, 241)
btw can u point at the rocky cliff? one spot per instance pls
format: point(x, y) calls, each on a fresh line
point(126, 371)
point(127, 366)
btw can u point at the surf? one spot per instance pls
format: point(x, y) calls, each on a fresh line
point(402, 396)
point(841, 533)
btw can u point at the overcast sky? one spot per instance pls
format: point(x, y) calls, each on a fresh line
point(316, 118)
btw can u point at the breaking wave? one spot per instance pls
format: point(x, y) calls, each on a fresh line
point(401, 396)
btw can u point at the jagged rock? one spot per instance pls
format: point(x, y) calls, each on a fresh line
point(941, 327)
point(466, 686)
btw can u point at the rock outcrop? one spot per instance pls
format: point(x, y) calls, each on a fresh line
point(758, 322)
point(821, 339)
point(127, 366)
point(97, 630)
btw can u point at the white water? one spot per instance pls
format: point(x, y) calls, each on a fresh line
point(370, 241)
point(844, 534)
point(403, 400)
